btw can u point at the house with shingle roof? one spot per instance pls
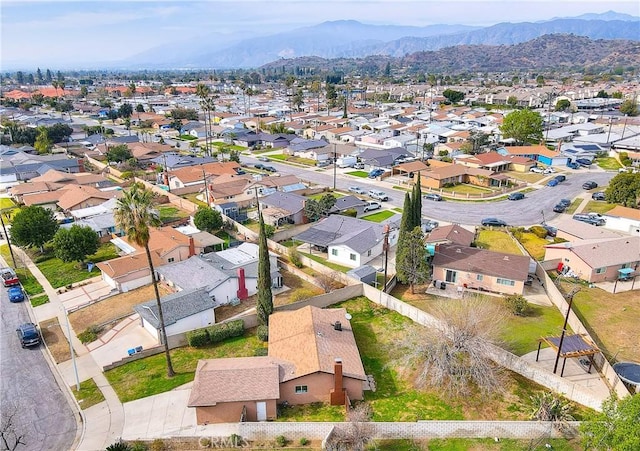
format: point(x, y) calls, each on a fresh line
point(596, 260)
point(450, 234)
point(624, 219)
point(480, 269)
point(75, 197)
point(195, 175)
point(312, 357)
point(279, 207)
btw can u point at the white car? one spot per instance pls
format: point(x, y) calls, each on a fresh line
point(549, 171)
point(356, 189)
point(380, 195)
point(537, 170)
point(372, 205)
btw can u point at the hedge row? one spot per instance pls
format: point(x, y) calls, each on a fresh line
point(215, 333)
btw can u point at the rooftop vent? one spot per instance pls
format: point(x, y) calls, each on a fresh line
point(506, 257)
point(337, 325)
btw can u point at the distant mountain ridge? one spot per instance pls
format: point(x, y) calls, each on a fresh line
point(353, 39)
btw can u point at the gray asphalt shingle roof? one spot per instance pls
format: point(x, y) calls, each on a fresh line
point(176, 306)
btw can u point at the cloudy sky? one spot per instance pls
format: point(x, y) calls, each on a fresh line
point(65, 34)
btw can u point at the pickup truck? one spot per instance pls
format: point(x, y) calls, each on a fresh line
point(380, 195)
point(372, 205)
point(9, 277)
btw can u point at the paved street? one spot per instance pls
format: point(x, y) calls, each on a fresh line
point(27, 384)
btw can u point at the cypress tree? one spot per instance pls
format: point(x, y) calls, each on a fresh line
point(405, 230)
point(264, 305)
point(416, 207)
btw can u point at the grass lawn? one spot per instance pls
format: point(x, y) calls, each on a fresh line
point(222, 234)
point(530, 177)
point(465, 188)
point(594, 206)
point(497, 240)
point(169, 213)
point(278, 156)
point(318, 196)
point(608, 163)
point(401, 188)
point(533, 244)
point(462, 444)
point(316, 411)
point(193, 198)
point(574, 206)
point(361, 174)
point(5, 202)
point(379, 333)
point(31, 286)
point(331, 265)
point(61, 274)
point(89, 394)
point(398, 210)
point(612, 320)
point(379, 216)
point(39, 300)
point(146, 377)
point(228, 146)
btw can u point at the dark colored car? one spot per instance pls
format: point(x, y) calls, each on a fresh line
point(551, 231)
point(433, 196)
point(269, 169)
point(375, 173)
point(9, 277)
point(15, 294)
point(573, 165)
point(28, 334)
point(493, 222)
point(515, 196)
point(560, 178)
point(589, 185)
point(598, 196)
point(552, 182)
point(259, 166)
point(559, 208)
point(583, 162)
point(429, 226)
point(565, 202)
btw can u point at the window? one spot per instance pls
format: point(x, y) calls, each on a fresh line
point(171, 260)
point(301, 389)
point(334, 252)
point(601, 270)
point(479, 277)
point(352, 257)
point(369, 253)
point(451, 276)
point(505, 282)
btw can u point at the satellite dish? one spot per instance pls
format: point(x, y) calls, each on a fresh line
point(348, 316)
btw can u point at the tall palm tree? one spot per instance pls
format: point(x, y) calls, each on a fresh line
point(203, 92)
point(133, 89)
point(134, 214)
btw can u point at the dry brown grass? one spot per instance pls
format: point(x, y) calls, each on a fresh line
point(112, 308)
point(56, 341)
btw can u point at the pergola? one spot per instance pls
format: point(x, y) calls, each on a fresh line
point(572, 346)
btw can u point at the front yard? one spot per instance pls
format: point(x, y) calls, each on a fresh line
point(379, 216)
point(594, 206)
point(361, 174)
point(497, 240)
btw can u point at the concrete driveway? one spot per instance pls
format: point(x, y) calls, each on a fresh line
point(85, 294)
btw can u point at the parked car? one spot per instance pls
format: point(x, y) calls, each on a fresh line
point(589, 185)
point(493, 222)
point(375, 173)
point(258, 166)
point(590, 219)
point(583, 162)
point(536, 169)
point(560, 178)
point(358, 166)
point(430, 225)
point(549, 170)
point(559, 208)
point(433, 196)
point(323, 163)
point(263, 159)
point(551, 231)
point(599, 195)
point(15, 294)
point(372, 205)
point(515, 196)
point(573, 165)
point(356, 189)
point(28, 334)
point(9, 277)
point(380, 195)
point(552, 182)
point(565, 202)
point(269, 169)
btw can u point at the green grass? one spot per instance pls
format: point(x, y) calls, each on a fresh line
point(39, 300)
point(520, 333)
point(222, 234)
point(278, 156)
point(462, 444)
point(319, 196)
point(361, 174)
point(89, 394)
point(228, 146)
point(465, 188)
point(574, 206)
point(170, 214)
point(29, 283)
point(289, 243)
point(331, 265)
point(401, 188)
point(497, 240)
point(533, 244)
point(379, 216)
point(316, 411)
point(5, 202)
point(594, 206)
point(397, 210)
point(608, 163)
point(61, 274)
point(148, 376)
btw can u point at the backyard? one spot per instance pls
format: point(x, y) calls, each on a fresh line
point(169, 213)
point(533, 244)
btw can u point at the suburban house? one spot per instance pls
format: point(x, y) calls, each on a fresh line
point(98, 218)
point(624, 219)
point(495, 162)
point(349, 202)
point(538, 153)
point(196, 175)
point(572, 230)
point(348, 241)
point(442, 175)
point(480, 269)
point(75, 197)
point(172, 160)
point(21, 166)
point(596, 260)
point(182, 311)
point(312, 357)
point(283, 208)
point(131, 271)
point(450, 234)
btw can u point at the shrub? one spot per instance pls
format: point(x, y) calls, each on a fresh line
point(89, 335)
point(517, 304)
point(198, 338)
point(263, 333)
point(158, 445)
point(118, 446)
point(204, 442)
point(269, 230)
point(139, 446)
point(222, 331)
point(539, 231)
point(281, 441)
point(304, 441)
point(235, 440)
point(261, 352)
point(294, 257)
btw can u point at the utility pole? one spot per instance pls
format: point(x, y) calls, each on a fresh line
point(334, 166)
point(385, 248)
point(564, 327)
point(4, 230)
point(206, 188)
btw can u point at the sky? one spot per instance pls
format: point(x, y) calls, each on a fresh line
point(61, 34)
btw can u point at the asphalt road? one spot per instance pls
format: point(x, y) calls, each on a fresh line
point(27, 386)
point(523, 212)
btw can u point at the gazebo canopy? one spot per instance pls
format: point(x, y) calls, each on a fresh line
point(572, 345)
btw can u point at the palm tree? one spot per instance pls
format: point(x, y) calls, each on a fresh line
point(134, 214)
point(132, 88)
point(203, 92)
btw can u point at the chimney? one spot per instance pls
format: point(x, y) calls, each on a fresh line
point(338, 391)
point(192, 247)
point(337, 325)
point(242, 292)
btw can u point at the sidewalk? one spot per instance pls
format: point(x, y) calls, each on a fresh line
point(103, 423)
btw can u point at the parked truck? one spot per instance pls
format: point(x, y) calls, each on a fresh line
point(346, 162)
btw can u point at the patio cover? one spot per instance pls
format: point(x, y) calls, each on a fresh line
point(572, 345)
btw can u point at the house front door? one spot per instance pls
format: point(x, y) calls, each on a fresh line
point(261, 411)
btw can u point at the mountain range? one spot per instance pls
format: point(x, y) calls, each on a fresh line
point(353, 39)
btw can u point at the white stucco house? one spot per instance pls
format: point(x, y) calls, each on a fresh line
point(623, 219)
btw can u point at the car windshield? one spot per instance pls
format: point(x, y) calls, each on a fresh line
point(29, 333)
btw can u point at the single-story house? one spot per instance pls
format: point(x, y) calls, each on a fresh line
point(196, 175)
point(538, 153)
point(480, 269)
point(624, 219)
point(450, 234)
point(280, 207)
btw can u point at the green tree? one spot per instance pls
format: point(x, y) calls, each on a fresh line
point(405, 229)
point(540, 80)
point(624, 189)
point(125, 110)
point(563, 105)
point(602, 94)
point(315, 209)
point(135, 215)
point(411, 260)
point(207, 219)
point(43, 143)
point(119, 153)
point(416, 204)
point(33, 226)
point(629, 107)
point(616, 427)
point(264, 304)
point(512, 101)
point(59, 132)
point(453, 96)
point(75, 243)
point(525, 126)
